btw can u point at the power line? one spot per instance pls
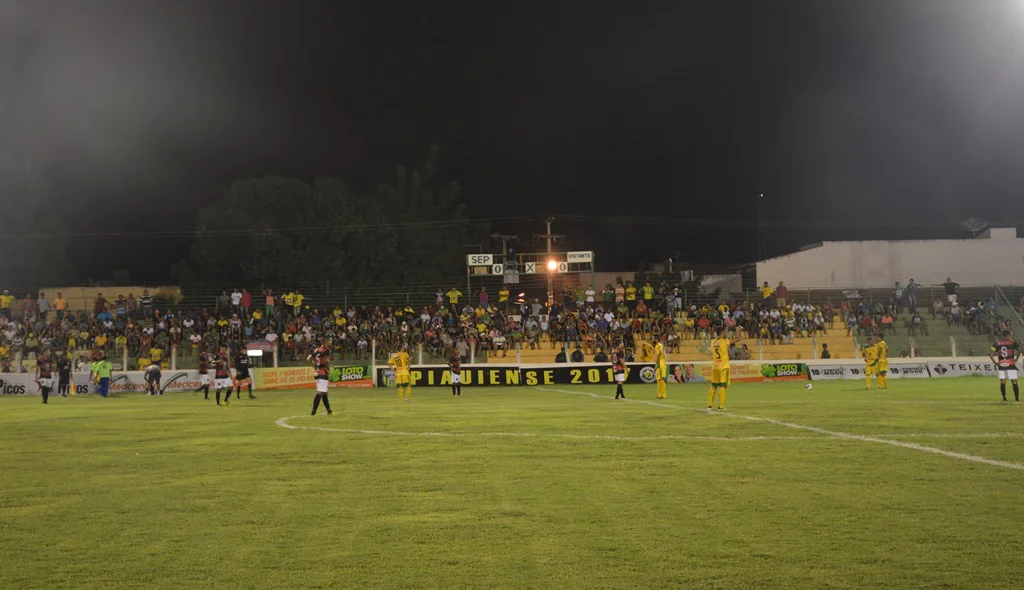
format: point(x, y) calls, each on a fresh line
point(269, 230)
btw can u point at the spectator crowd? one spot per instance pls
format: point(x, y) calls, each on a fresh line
point(583, 320)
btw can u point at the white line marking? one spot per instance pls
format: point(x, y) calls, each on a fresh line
point(284, 423)
point(832, 433)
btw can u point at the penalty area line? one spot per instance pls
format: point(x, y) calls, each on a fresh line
point(824, 431)
point(284, 423)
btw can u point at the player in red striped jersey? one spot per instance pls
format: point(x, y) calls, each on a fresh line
point(619, 371)
point(455, 366)
point(320, 360)
point(1004, 354)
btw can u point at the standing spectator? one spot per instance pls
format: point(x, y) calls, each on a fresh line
point(648, 295)
point(453, 299)
point(483, 298)
point(133, 306)
point(43, 306)
point(60, 305)
point(147, 303)
point(780, 295)
point(246, 301)
point(269, 303)
point(224, 303)
point(100, 305)
point(28, 307)
point(766, 292)
point(952, 290)
point(620, 294)
point(912, 296)
point(897, 298)
point(236, 301)
point(6, 300)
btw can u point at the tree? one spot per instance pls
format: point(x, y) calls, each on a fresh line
point(283, 231)
point(434, 228)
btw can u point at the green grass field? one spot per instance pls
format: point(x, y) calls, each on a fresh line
point(518, 488)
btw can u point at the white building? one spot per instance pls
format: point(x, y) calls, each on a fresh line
point(995, 257)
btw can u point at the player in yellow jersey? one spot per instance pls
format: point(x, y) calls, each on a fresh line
point(870, 353)
point(882, 354)
point(720, 379)
point(660, 370)
point(400, 362)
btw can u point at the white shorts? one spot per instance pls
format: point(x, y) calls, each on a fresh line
point(322, 385)
point(952, 298)
point(1010, 374)
point(223, 383)
point(46, 382)
point(456, 378)
point(620, 377)
point(204, 379)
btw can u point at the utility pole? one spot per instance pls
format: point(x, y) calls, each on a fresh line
point(505, 239)
point(762, 229)
point(550, 237)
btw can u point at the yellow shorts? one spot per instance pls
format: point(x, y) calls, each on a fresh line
point(402, 379)
point(661, 373)
point(883, 367)
point(870, 369)
point(720, 377)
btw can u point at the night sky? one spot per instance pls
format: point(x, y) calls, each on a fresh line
point(855, 119)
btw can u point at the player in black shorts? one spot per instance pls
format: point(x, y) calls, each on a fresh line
point(242, 377)
point(455, 366)
point(619, 371)
point(63, 374)
point(1005, 353)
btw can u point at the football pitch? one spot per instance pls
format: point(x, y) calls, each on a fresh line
point(526, 487)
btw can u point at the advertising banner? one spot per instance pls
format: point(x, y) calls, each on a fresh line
point(482, 375)
point(585, 374)
point(961, 368)
point(701, 372)
point(908, 370)
point(302, 377)
point(128, 382)
point(855, 370)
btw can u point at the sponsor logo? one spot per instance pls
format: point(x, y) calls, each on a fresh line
point(776, 370)
point(647, 374)
point(356, 373)
point(941, 369)
point(11, 388)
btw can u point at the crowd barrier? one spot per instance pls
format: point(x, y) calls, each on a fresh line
point(488, 375)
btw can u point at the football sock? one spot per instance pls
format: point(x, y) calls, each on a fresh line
point(868, 379)
point(408, 391)
point(882, 382)
point(316, 403)
point(721, 399)
point(453, 390)
point(661, 390)
point(1016, 392)
point(217, 393)
point(460, 389)
point(206, 391)
point(46, 394)
point(618, 391)
point(400, 393)
point(327, 403)
point(250, 390)
point(1002, 389)
point(711, 395)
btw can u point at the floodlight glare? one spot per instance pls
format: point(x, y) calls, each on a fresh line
point(552, 265)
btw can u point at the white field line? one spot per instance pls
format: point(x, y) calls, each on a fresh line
point(832, 433)
point(284, 423)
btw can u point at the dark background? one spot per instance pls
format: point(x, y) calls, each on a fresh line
point(855, 119)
